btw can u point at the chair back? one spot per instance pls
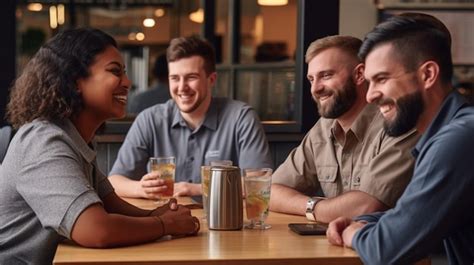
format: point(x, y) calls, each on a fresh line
point(6, 133)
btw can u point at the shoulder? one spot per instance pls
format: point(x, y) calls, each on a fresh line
point(458, 133)
point(321, 130)
point(230, 109)
point(39, 130)
point(157, 113)
point(39, 138)
point(226, 104)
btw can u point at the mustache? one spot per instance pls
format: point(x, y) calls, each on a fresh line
point(384, 101)
point(321, 94)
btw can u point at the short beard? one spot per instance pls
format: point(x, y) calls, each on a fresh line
point(409, 109)
point(343, 101)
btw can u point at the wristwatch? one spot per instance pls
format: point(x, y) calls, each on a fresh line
point(310, 204)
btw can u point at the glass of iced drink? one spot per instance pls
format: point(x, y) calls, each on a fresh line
point(166, 168)
point(205, 178)
point(257, 183)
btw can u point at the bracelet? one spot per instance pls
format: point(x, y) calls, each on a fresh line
point(162, 224)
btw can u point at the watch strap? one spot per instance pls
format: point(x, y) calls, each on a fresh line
point(310, 204)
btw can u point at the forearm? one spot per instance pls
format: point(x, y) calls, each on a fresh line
point(114, 204)
point(349, 204)
point(287, 200)
point(125, 187)
point(187, 189)
point(98, 229)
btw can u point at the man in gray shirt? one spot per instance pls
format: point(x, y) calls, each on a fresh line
point(194, 127)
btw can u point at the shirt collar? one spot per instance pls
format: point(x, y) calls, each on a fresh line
point(210, 121)
point(86, 151)
point(451, 105)
point(361, 124)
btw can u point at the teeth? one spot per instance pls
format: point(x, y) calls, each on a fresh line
point(385, 108)
point(121, 98)
point(323, 98)
point(185, 96)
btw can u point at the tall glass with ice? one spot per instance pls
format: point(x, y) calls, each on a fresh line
point(166, 168)
point(257, 183)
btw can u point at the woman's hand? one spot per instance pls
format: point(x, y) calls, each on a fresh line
point(180, 222)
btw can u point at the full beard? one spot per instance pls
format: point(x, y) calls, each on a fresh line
point(343, 100)
point(409, 109)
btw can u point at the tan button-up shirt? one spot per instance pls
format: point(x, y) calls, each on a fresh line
point(364, 158)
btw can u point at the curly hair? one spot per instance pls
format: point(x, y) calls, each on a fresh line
point(47, 87)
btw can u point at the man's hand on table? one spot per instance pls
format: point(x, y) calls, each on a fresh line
point(341, 231)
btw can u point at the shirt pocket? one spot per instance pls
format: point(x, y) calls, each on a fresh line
point(327, 176)
point(358, 172)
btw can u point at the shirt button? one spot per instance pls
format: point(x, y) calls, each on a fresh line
point(190, 181)
point(327, 177)
point(191, 137)
point(191, 159)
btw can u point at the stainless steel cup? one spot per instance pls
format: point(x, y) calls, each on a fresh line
point(225, 199)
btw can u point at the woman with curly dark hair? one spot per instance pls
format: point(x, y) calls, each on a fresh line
point(50, 187)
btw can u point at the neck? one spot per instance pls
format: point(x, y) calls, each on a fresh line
point(432, 104)
point(86, 126)
point(195, 118)
point(346, 119)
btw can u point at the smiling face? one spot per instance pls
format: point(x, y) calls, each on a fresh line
point(394, 89)
point(332, 84)
point(190, 85)
point(104, 91)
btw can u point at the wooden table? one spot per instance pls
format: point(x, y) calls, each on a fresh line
point(277, 245)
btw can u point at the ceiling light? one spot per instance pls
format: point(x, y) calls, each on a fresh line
point(35, 7)
point(197, 16)
point(159, 12)
point(53, 17)
point(61, 18)
point(149, 22)
point(140, 36)
point(272, 2)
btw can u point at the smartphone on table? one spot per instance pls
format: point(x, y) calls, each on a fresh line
point(308, 228)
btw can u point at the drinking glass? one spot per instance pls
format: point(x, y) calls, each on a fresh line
point(205, 178)
point(257, 184)
point(166, 168)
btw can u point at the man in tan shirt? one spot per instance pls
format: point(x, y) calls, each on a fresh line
point(346, 157)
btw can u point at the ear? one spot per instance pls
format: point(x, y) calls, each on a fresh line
point(79, 85)
point(429, 73)
point(359, 74)
point(212, 78)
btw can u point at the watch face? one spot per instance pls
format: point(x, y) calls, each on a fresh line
point(309, 209)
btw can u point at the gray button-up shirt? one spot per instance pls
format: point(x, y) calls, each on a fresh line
point(47, 179)
point(231, 130)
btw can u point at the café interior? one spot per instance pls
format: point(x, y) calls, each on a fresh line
point(260, 46)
